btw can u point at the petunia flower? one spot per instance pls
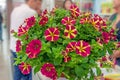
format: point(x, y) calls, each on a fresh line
point(83, 48)
point(49, 71)
point(75, 12)
point(112, 35)
point(87, 14)
point(22, 30)
point(70, 32)
point(33, 48)
point(45, 12)
point(99, 40)
point(67, 59)
point(30, 21)
point(43, 20)
point(117, 45)
point(25, 68)
point(71, 46)
point(105, 37)
point(84, 20)
point(52, 34)
point(68, 21)
point(65, 52)
point(18, 46)
point(96, 24)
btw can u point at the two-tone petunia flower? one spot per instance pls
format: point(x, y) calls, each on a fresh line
point(18, 46)
point(117, 45)
point(43, 20)
point(96, 24)
point(45, 12)
point(22, 30)
point(87, 14)
point(84, 20)
point(68, 21)
point(52, 34)
point(25, 68)
point(30, 21)
point(33, 48)
point(112, 34)
point(71, 46)
point(75, 12)
point(83, 48)
point(99, 40)
point(65, 52)
point(49, 70)
point(67, 59)
point(70, 32)
point(105, 37)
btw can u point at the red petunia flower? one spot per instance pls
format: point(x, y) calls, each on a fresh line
point(118, 45)
point(65, 52)
point(52, 34)
point(18, 46)
point(105, 37)
point(96, 24)
point(87, 14)
point(22, 30)
point(71, 46)
point(83, 48)
point(68, 21)
point(104, 58)
point(33, 48)
point(30, 22)
point(67, 59)
point(84, 20)
point(75, 12)
point(43, 20)
point(25, 68)
point(112, 35)
point(45, 12)
point(49, 71)
point(99, 40)
point(70, 32)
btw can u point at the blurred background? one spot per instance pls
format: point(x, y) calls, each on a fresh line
point(102, 7)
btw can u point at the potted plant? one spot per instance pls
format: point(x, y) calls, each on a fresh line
point(64, 44)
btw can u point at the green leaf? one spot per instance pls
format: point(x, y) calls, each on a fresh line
point(79, 70)
point(85, 60)
point(98, 70)
point(37, 68)
point(57, 61)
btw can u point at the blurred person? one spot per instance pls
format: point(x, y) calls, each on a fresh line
point(18, 15)
point(67, 4)
point(115, 19)
point(1, 20)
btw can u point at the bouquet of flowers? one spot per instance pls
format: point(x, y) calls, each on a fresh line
point(64, 44)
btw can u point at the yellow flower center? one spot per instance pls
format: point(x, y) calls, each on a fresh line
point(81, 49)
point(52, 34)
point(48, 69)
point(25, 66)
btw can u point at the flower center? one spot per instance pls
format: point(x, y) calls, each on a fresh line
point(68, 22)
point(25, 66)
point(70, 31)
point(81, 49)
point(48, 69)
point(36, 46)
point(52, 34)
